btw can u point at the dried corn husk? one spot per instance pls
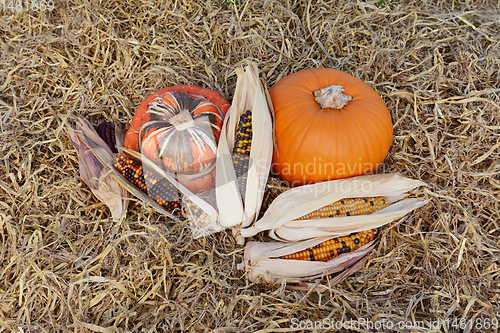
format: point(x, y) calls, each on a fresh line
point(299, 201)
point(250, 94)
point(94, 173)
point(260, 261)
point(105, 157)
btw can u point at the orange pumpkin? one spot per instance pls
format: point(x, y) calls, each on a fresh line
point(329, 125)
point(178, 128)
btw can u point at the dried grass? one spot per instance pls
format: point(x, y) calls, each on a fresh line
point(66, 268)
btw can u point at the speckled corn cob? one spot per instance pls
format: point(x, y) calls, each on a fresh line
point(190, 208)
point(197, 215)
point(334, 247)
point(107, 133)
point(348, 207)
point(241, 150)
point(159, 189)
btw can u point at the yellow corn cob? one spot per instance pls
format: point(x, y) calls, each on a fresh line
point(241, 150)
point(348, 207)
point(334, 247)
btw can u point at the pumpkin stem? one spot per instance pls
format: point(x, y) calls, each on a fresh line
point(332, 97)
point(182, 120)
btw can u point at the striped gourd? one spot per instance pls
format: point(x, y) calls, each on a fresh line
point(157, 188)
point(241, 150)
point(334, 247)
point(180, 131)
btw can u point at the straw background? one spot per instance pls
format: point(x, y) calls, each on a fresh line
point(65, 267)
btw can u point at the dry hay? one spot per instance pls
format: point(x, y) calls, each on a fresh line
point(66, 268)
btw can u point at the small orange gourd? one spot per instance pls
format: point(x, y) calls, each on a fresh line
point(329, 125)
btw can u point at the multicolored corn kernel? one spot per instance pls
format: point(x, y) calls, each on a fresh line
point(107, 133)
point(334, 247)
point(241, 150)
point(157, 188)
point(191, 211)
point(349, 207)
point(194, 213)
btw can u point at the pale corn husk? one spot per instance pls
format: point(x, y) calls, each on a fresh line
point(293, 230)
point(95, 174)
point(251, 94)
point(299, 201)
point(260, 261)
point(105, 157)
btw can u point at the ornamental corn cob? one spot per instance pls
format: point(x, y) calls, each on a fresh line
point(334, 247)
point(93, 168)
point(241, 150)
point(281, 216)
point(192, 211)
point(348, 207)
point(159, 189)
point(297, 239)
point(107, 133)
